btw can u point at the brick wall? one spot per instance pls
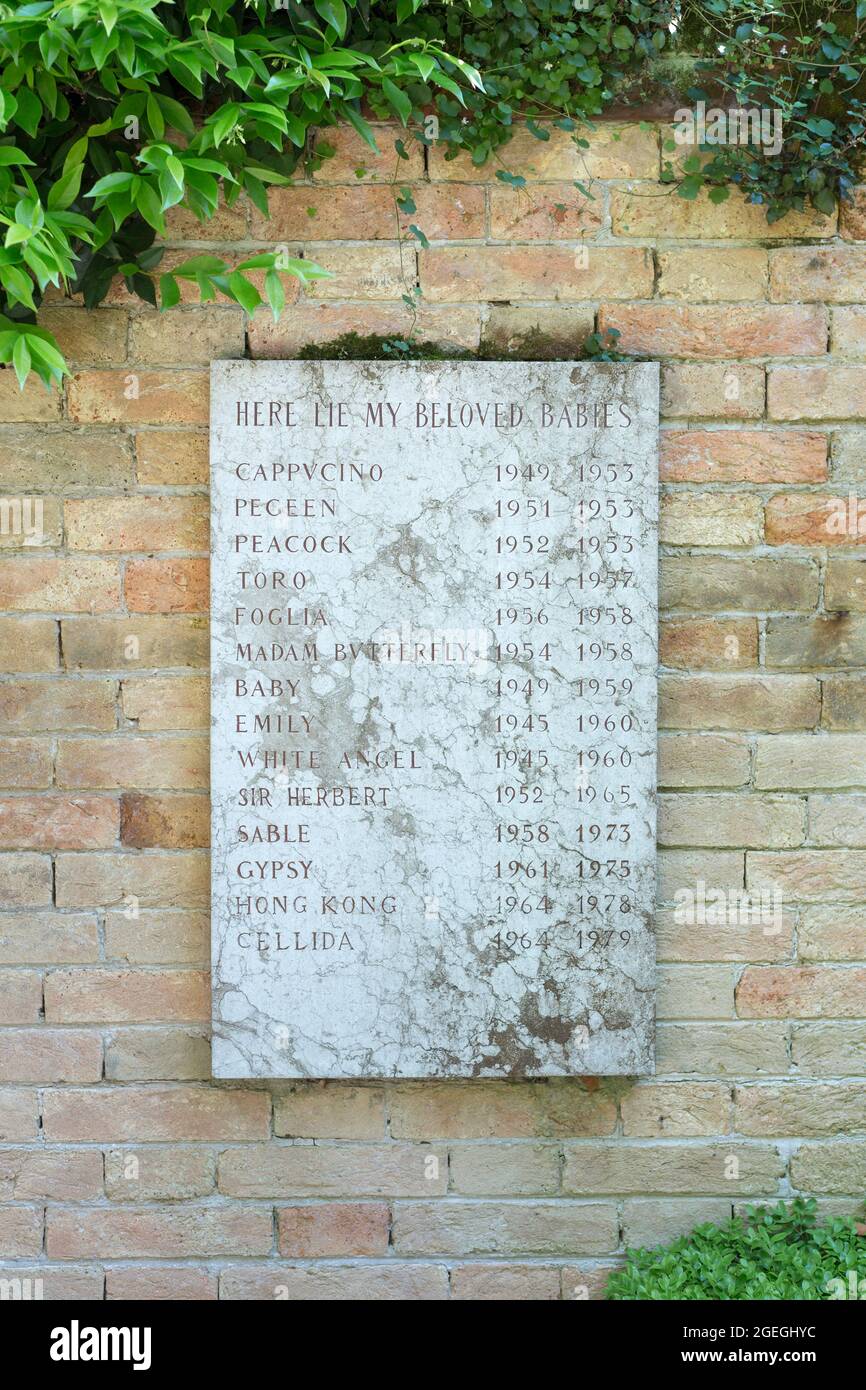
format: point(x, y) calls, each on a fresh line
point(124, 1171)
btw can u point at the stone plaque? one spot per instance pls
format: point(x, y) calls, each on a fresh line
point(433, 718)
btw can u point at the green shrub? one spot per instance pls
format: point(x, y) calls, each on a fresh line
point(773, 1254)
point(532, 346)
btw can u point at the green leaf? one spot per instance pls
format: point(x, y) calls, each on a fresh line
point(334, 13)
point(397, 100)
point(64, 192)
point(169, 291)
point(21, 360)
point(245, 293)
point(275, 293)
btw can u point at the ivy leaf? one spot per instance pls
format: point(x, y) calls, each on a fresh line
point(622, 37)
point(825, 201)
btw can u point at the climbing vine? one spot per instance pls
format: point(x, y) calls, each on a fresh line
point(113, 112)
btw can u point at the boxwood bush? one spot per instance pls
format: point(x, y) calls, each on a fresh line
point(772, 1254)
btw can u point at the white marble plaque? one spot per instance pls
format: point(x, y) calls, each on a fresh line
point(433, 718)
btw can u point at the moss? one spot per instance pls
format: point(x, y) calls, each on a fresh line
point(532, 346)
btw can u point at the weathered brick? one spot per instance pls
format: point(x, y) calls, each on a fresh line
point(707, 583)
point(535, 272)
point(370, 1283)
point(33, 404)
point(53, 705)
point(48, 938)
point(58, 822)
point(319, 1170)
point(844, 703)
point(543, 330)
point(834, 274)
point(810, 875)
point(68, 584)
point(803, 760)
point(141, 398)
point(167, 586)
point(30, 521)
point(826, 641)
point(329, 1230)
point(832, 933)
point(709, 644)
point(503, 1169)
point(671, 1169)
point(140, 640)
point(505, 1282)
point(87, 338)
point(710, 518)
point(60, 1283)
point(157, 937)
point(547, 212)
point(363, 272)
point(707, 331)
point(365, 213)
point(227, 223)
point(845, 585)
point(702, 760)
point(351, 160)
point(152, 1175)
point(18, 1115)
point(459, 326)
point(658, 1223)
point(157, 1054)
point(20, 997)
point(816, 393)
point(722, 1049)
point(702, 274)
point(20, 1232)
point(800, 1111)
point(792, 991)
point(852, 215)
point(499, 1109)
point(752, 821)
point(645, 211)
point(832, 1167)
point(160, 1282)
point(60, 1176)
point(829, 1049)
point(848, 331)
point(740, 936)
point(329, 1110)
point(188, 337)
point(684, 869)
point(742, 456)
point(122, 1114)
point(676, 1110)
point(137, 523)
point(25, 880)
point(172, 703)
point(613, 151)
point(107, 879)
point(738, 702)
point(49, 1057)
point(809, 518)
point(171, 458)
point(63, 459)
point(504, 1228)
point(25, 763)
point(697, 991)
point(28, 646)
point(712, 391)
point(132, 1232)
point(176, 764)
point(164, 822)
point(126, 996)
